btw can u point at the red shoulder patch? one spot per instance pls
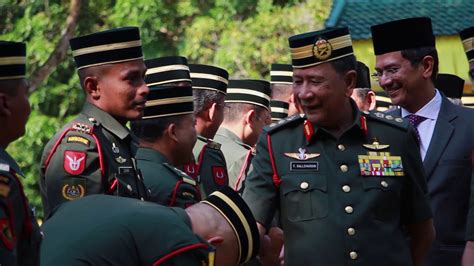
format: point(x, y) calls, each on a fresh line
point(219, 173)
point(74, 162)
point(191, 169)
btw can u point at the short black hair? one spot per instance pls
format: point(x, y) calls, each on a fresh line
point(151, 130)
point(345, 64)
point(416, 55)
point(203, 99)
point(235, 111)
point(362, 92)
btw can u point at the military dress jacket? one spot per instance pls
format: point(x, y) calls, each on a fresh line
point(448, 171)
point(20, 236)
point(208, 167)
point(106, 230)
point(238, 157)
point(93, 154)
point(167, 184)
point(342, 201)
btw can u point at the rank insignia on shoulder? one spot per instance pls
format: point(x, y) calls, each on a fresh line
point(301, 155)
point(82, 127)
point(376, 146)
point(382, 164)
point(74, 162)
point(78, 139)
point(120, 160)
point(74, 188)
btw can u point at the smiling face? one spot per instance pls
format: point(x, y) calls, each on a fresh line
point(401, 80)
point(321, 92)
point(123, 90)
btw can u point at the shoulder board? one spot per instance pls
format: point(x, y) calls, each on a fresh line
point(213, 145)
point(182, 175)
point(83, 127)
point(386, 118)
point(292, 120)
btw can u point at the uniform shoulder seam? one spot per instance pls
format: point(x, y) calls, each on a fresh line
point(289, 121)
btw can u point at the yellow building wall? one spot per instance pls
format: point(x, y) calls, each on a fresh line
point(452, 59)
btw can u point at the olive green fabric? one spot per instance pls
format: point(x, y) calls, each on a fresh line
point(330, 213)
point(210, 163)
point(236, 154)
point(106, 230)
point(92, 131)
point(167, 185)
point(20, 236)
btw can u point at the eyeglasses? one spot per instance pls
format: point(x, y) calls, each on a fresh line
point(388, 72)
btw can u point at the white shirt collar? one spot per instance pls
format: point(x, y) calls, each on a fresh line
point(430, 110)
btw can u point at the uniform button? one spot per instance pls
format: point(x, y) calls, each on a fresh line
point(346, 188)
point(142, 199)
point(129, 188)
point(353, 255)
point(351, 231)
point(349, 209)
point(384, 184)
point(344, 168)
point(304, 185)
point(341, 147)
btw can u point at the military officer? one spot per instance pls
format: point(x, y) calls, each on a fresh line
point(209, 89)
point(248, 113)
point(351, 178)
point(281, 84)
point(467, 37)
point(451, 86)
point(362, 94)
point(279, 110)
point(95, 152)
point(167, 136)
point(218, 231)
point(19, 233)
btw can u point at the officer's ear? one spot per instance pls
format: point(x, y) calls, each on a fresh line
point(171, 131)
point(350, 78)
point(428, 65)
point(91, 86)
point(215, 240)
point(250, 117)
point(4, 105)
point(371, 100)
point(211, 111)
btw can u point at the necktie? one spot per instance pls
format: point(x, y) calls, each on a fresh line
point(415, 120)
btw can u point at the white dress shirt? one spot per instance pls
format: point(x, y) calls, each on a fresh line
point(426, 128)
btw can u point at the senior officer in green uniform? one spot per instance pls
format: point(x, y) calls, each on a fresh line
point(218, 231)
point(95, 152)
point(19, 233)
point(167, 136)
point(352, 179)
point(248, 113)
point(209, 90)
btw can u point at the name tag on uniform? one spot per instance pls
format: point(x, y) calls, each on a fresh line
point(124, 169)
point(304, 165)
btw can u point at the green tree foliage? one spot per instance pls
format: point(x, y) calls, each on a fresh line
point(243, 36)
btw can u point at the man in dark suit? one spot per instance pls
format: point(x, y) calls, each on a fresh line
point(406, 67)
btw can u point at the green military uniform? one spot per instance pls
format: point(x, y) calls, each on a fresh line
point(19, 232)
point(342, 200)
point(121, 231)
point(321, 186)
point(94, 153)
point(168, 185)
point(238, 156)
point(209, 166)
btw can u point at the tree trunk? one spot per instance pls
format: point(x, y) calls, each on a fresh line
point(60, 51)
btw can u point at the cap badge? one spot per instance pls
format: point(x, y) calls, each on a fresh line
point(322, 49)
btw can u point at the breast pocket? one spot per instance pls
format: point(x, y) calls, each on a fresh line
point(384, 193)
point(304, 197)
